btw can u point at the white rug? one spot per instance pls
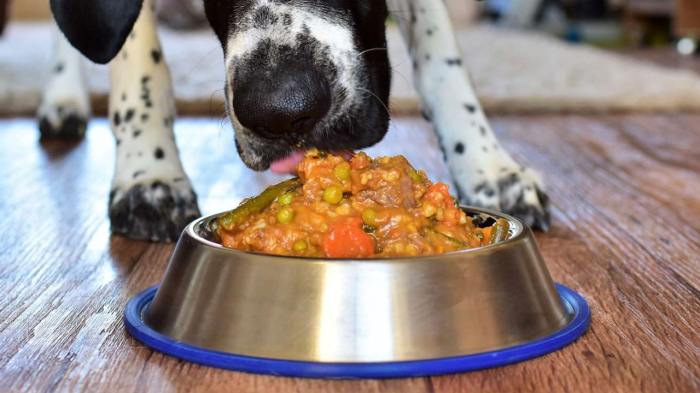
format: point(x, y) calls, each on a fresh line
point(514, 72)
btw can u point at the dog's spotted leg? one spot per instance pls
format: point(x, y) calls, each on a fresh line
point(65, 103)
point(485, 174)
point(151, 197)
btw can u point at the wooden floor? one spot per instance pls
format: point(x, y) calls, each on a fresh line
point(625, 193)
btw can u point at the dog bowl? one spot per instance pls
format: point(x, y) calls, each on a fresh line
point(402, 317)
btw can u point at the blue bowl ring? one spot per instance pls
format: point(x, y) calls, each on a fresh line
point(574, 304)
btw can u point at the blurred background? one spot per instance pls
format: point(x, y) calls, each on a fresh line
point(525, 56)
point(639, 23)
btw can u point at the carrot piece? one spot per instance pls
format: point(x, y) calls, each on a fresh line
point(487, 232)
point(347, 240)
point(440, 189)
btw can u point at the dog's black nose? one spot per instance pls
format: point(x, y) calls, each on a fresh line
point(293, 98)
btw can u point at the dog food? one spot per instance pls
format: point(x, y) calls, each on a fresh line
point(355, 208)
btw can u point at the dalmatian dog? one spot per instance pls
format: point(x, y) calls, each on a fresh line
point(299, 74)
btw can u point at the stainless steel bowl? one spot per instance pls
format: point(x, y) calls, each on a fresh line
point(351, 311)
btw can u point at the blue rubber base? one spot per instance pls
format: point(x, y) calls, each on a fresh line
point(417, 368)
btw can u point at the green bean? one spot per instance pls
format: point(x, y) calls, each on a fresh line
point(500, 229)
point(455, 242)
point(256, 204)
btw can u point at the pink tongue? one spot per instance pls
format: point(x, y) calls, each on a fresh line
point(287, 164)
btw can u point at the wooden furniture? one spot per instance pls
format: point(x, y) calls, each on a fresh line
point(646, 18)
point(626, 234)
point(688, 18)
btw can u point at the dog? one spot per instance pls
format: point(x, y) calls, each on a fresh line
point(299, 74)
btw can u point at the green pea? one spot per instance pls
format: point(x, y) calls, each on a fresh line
point(342, 171)
point(333, 195)
point(413, 174)
point(285, 215)
point(369, 216)
point(299, 245)
point(285, 199)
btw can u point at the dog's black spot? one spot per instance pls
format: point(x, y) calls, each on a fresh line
point(485, 188)
point(425, 115)
point(178, 179)
point(116, 119)
point(454, 62)
point(264, 17)
point(146, 91)
point(470, 108)
point(119, 141)
point(459, 147)
point(480, 171)
point(136, 133)
point(415, 64)
point(429, 32)
point(58, 68)
point(287, 19)
point(138, 173)
point(495, 146)
point(508, 181)
point(156, 56)
point(123, 96)
point(485, 149)
point(159, 153)
point(144, 117)
point(129, 115)
point(427, 57)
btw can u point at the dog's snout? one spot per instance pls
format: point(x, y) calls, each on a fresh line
point(290, 99)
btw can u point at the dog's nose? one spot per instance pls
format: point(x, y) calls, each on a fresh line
point(291, 99)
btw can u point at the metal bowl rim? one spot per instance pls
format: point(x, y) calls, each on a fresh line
point(521, 233)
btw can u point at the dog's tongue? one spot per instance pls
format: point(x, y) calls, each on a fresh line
point(287, 164)
point(290, 163)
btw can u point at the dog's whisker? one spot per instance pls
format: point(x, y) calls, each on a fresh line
point(371, 50)
point(362, 89)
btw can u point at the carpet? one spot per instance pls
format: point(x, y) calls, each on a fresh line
point(514, 72)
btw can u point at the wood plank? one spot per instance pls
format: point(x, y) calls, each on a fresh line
point(626, 234)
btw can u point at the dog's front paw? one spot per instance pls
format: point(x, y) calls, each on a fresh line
point(63, 116)
point(155, 211)
point(64, 126)
point(517, 192)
